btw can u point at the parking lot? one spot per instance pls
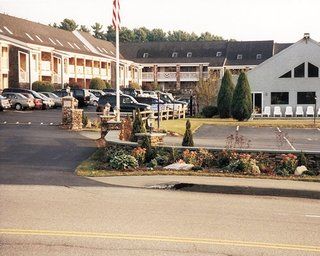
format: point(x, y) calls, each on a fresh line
point(269, 138)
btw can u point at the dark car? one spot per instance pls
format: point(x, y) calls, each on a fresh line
point(130, 91)
point(127, 103)
point(82, 95)
point(153, 102)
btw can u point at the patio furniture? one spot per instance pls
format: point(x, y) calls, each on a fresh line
point(299, 111)
point(277, 111)
point(310, 111)
point(288, 111)
point(266, 111)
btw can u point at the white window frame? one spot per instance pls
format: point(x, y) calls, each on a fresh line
point(259, 56)
point(174, 55)
point(189, 54)
point(218, 54)
point(146, 55)
point(239, 56)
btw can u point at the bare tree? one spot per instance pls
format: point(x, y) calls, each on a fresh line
point(207, 92)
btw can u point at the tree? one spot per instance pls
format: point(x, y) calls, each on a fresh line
point(68, 24)
point(178, 35)
point(241, 102)
point(110, 34)
point(97, 31)
point(54, 25)
point(141, 34)
point(126, 35)
point(206, 92)
point(97, 84)
point(157, 35)
point(187, 137)
point(135, 86)
point(207, 36)
point(225, 95)
point(138, 126)
point(83, 28)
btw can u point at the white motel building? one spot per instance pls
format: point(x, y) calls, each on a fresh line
point(280, 75)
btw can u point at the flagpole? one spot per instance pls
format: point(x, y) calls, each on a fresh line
point(117, 73)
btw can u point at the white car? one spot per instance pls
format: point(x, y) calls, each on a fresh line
point(93, 100)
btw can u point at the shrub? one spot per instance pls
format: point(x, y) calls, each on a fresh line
point(287, 165)
point(188, 138)
point(206, 158)
point(190, 157)
point(241, 101)
point(138, 126)
point(150, 152)
point(85, 120)
point(225, 95)
point(147, 87)
point(243, 163)
point(302, 159)
point(107, 85)
point(40, 86)
point(140, 154)
point(74, 85)
point(209, 111)
point(224, 158)
point(123, 162)
point(153, 163)
point(97, 84)
point(162, 160)
point(135, 86)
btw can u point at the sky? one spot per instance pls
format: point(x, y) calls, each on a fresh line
point(279, 20)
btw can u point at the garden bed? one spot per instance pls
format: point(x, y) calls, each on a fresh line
point(119, 160)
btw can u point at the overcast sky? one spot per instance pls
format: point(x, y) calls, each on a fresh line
point(280, 20)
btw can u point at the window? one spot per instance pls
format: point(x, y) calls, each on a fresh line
point(239, 57)
point(259, 56)
point(189, 54)
point(299, 71)
point(219, 54)
point(306, 97)
point(174, 55)
point(313, 71)
point(279, 98)
point(287, 75)
point(146, 55)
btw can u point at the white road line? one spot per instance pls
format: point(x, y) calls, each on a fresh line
point(238, 128)
point(292, 147)
point(312, 216)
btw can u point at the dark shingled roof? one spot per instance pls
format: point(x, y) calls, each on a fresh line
point(278, 47)
point(249, 51)
point(19, 28)
point(161, 52)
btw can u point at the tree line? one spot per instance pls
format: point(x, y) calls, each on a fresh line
point(141, 34)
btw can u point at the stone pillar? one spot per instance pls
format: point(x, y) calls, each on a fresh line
point(155, 73)
point(200, 72)
point(178, 85)
point(71, 117)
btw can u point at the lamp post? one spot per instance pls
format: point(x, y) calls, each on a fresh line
point(158, 121)
point(315, 110)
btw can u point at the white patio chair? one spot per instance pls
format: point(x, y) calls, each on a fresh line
point(288, 111)
point(299, 111)
point(310, 111)
point(266, 111)
point(318, 112)
point(277, 111)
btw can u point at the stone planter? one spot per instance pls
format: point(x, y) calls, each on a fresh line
point(155, 138)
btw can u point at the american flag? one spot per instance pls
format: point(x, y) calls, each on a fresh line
point(116, 14)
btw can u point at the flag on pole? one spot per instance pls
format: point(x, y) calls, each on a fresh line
point(116, 20)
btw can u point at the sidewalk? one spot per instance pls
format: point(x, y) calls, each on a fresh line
point(225, 185)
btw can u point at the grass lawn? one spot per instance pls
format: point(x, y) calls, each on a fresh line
point(178, 125)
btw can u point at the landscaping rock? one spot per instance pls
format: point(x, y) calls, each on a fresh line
point(179, 166)
point(300, 170)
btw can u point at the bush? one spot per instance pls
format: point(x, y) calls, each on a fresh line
point(209, 111)
point(241, 101)
point(74, 85)
point(139, 154)
point(135, 86)
point(225, 95)
point(150, 152)
point(123, 162)
point(40, 86)
point(84, 120)
point(138, 126)
point(287, 165)
point(108, 85)
point(188, 138)
point(97, 84)
point(147, 87)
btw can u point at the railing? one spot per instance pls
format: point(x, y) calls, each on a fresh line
point(96, 71)
point(165, 114)
point(79, 69)
point(167, 76)
point(57, 78)
point(23, 76)
point(45, 65)
point(89, 70)
point(103, 72)
point(71, 69)
point(189, 76)
point(148, 76)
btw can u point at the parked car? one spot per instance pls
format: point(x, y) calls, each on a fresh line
point(56, 99)
point(152, 101)
point(82, 95)
point(4, 103)
point(170, 101)
point(93, 100)
point(127, 103)
point(111, 90)
point(49, 103)
point(97, 93)
point(18, 101)
point(37, 102)
point(130, 91)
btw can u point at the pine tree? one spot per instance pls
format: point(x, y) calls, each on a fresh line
point(138, 126)
point(225, 95)
point(187, 137)
point(242, 101)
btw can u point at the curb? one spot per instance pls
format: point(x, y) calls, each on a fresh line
point(239, 190)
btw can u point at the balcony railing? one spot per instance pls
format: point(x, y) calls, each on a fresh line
point(96, 71)
point(189, 76)
point(148, 76)
point(79, 69)
point(89, 70)
point(45, 65)
point(71, 69)
point(103, 72)
point(167, 76)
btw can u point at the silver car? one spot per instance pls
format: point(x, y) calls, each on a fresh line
point(4, 103)
point(49, 103)
point(56, 99)
point(19, 101)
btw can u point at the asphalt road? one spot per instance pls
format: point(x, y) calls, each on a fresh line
point(46, 210)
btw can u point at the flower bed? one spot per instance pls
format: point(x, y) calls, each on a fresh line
point(146, 160)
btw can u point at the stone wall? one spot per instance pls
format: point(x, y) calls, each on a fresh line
point(72, 118)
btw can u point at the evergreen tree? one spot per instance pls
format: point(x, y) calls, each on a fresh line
point(187, 137)
point(83, 28)
point(138, 126)
point(242, 101)
point(97, 31)
point(225, 95)
point(68, 24)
